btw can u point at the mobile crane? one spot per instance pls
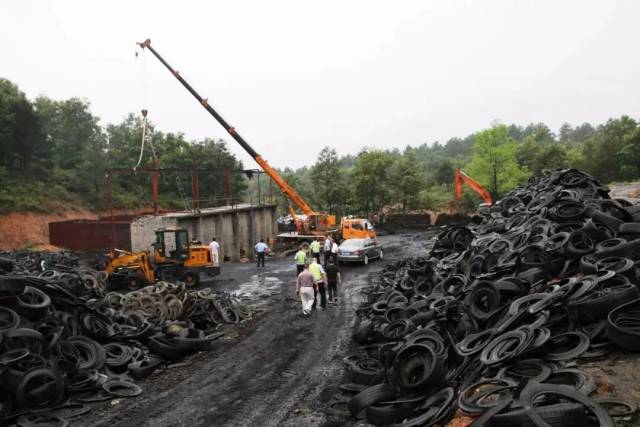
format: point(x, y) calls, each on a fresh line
point(314, 224)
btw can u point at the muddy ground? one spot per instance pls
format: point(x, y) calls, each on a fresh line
point(281, 369)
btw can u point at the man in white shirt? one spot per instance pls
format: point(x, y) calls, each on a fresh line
point(214, 247)
point(261, 250)
point(327, 250)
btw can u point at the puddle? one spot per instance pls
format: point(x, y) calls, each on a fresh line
point(259, 287)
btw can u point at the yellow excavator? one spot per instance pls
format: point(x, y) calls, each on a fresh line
point(311, 224)
point(174, 257)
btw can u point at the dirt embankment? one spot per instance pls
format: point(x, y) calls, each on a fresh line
point(20, 230)
point(25, 229)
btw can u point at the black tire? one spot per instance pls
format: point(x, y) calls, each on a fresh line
point(371, 396)
point(134, 283)
point(624, 336)
point(191, 279)
point(143, 368)
point(363, 333)
point(535, 390)
point(561, 414)
point(417, 368)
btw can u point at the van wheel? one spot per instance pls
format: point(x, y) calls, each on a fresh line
point(381, 254)
point(366, 259)
point(191, 279)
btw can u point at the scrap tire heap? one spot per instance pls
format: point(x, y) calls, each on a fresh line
point(492, 321)
point(65, 342)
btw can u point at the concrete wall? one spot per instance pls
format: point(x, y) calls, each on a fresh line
point(236, 229)
point(143, 230)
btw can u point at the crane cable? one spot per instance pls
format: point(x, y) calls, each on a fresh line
point(144, 134)
point(142, 66)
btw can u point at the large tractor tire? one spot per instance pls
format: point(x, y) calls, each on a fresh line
point(134, 283)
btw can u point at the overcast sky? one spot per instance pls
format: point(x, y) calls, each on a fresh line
point(294, 76)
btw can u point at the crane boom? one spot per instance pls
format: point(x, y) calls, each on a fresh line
point(289, 191)
point(462, 178)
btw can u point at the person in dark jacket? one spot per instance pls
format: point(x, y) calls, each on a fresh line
point(333, 280)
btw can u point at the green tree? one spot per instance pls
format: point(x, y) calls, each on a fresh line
point(22, 143)
point(494, 162)
point(327, 177)
point(370, 177)
point(408, 180)
point(536, 156)
point(606, 151)
point(444, 172)
point(70, 129)
point(631, 152)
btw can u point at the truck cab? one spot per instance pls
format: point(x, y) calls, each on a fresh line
point(356, 228)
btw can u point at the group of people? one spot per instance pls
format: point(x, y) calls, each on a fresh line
point(314, 279)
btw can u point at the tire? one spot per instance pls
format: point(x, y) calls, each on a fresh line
point(559, 414)
point(370, 396)
point(363, 332)
point(381, 254)
point(191, 279)
point(134, 283)
point(366, 259)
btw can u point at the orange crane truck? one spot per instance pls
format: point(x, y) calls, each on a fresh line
point(311, 224)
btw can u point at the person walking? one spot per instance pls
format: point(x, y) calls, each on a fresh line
point(327, 250)
point(334, 251)
point(214, 247)
point(301, 260)
point(261, 250)
point(320, 278)
point(333, 280)
point(306, 288)
point(315, 249)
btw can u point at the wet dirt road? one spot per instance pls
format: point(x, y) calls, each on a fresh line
point(281, 369)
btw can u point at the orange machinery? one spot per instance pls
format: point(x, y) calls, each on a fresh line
point(461, 178)
point(175, 257)
point(314, 223)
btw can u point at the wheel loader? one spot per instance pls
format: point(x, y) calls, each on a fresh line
point(175, 258)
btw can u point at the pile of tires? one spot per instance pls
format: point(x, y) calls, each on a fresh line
point(492, 320)
point(65, 342)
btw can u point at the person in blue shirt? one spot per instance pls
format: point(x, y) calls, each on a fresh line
point(261, 250)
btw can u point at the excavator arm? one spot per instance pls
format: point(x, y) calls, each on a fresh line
point(273, 174)
point(461, 178)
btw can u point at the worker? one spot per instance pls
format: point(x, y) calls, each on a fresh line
point(333, 280)
point(315, 249)
point(214, 247)
point(261, 250)
point(301, 260)
point(320, 278)
point(306, 288)
point(327, 250)
point(334, 251)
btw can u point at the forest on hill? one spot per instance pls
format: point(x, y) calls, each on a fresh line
point(54, 153)
point(500, 158)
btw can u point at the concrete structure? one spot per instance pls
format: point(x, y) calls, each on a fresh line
point(236, 228)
